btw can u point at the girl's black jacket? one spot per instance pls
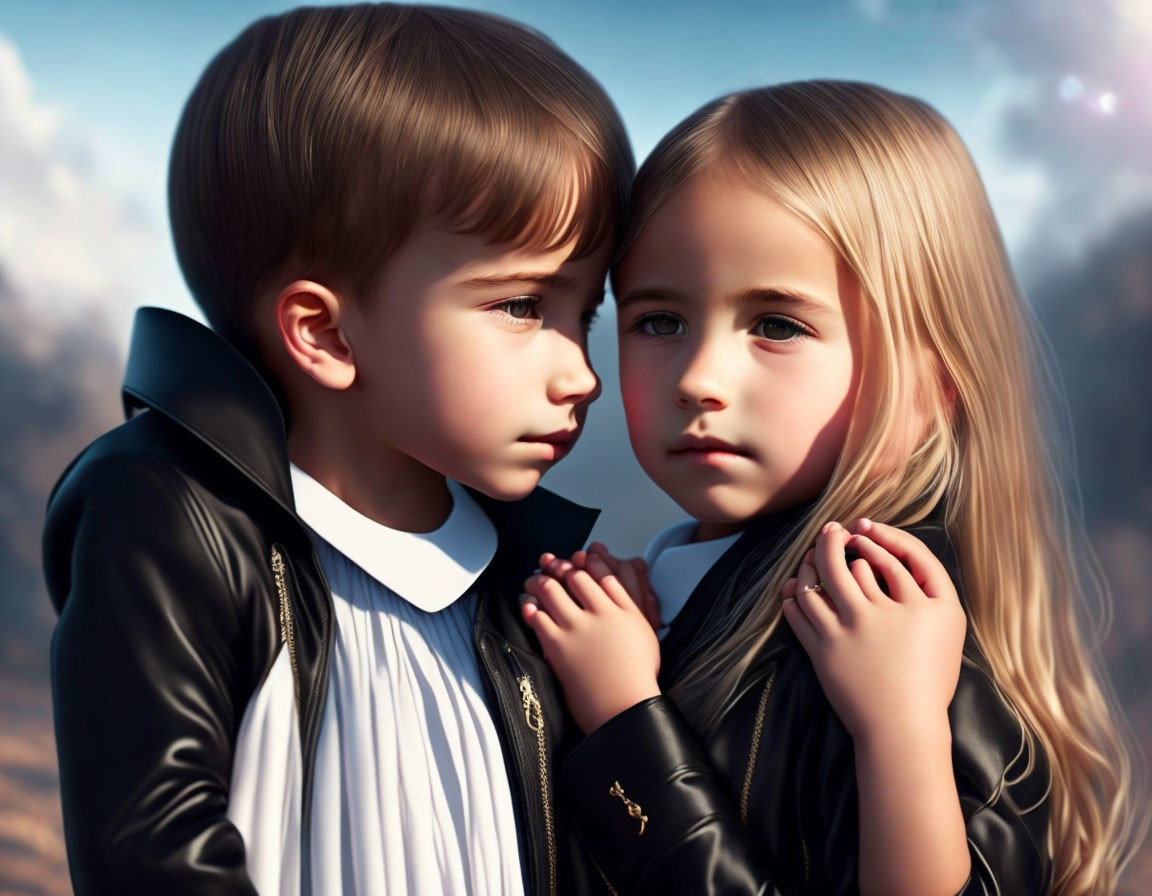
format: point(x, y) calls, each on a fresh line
point(180, 569)
point(767, 799)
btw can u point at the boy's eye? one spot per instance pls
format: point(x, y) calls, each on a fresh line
point(658, 324)
point(520, 308)
point(776, 328)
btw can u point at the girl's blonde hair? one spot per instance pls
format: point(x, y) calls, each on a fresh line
point(889, 184)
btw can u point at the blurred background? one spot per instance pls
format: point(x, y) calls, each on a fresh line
point(1053, 99)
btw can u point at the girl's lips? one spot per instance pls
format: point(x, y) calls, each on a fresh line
point(706, 445)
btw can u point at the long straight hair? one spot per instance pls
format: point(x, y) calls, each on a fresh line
point(891, 187)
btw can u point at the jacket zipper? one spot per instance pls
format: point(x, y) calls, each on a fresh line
point(287, 626)
point(757, 733)
point(750, 769)
point(534, 717)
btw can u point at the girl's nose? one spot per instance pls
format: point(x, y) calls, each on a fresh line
point(703, 384)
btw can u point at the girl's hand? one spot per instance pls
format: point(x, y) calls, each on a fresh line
point(595, 638)
point(888, 663)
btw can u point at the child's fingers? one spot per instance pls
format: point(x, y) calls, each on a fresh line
point(925, 566)
point(817, 608)
point(650, 604)
point(554, 599)
point(537, 619)
point(596, 588)
point(600, 550)
point(866, 579)
point(805, 631)
point(901, 585)
point(557, 567)
point(835, 577)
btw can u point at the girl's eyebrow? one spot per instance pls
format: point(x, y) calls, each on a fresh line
point(777, 295)
point(793, 298)
point(651, 294)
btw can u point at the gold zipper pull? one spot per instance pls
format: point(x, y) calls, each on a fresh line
point(533, 713)
point(634, 810)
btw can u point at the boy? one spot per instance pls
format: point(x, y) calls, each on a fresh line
point(289, 655)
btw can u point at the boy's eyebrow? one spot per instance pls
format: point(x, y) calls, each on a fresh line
point(553, 280)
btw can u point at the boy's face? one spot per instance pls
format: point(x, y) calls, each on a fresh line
point(738, 354)
point(472, 358)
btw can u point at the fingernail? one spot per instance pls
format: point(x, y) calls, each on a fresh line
point(865, 524)
point(529, 599)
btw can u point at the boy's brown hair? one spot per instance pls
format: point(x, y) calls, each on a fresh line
point(317, 140)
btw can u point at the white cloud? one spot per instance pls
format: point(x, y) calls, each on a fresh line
point(71, 246)
point(1079, 124)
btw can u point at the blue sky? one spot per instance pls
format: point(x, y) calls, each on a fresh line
point(1052, 99)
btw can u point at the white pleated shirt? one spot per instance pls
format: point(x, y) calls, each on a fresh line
point(411, 793)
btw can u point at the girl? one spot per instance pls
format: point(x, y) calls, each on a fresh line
point(817, 323)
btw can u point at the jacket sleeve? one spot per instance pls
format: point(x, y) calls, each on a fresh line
point(692, 839)
point(1003, 789)
point(143, 680)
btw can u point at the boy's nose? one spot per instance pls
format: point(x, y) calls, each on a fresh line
point(574, 379)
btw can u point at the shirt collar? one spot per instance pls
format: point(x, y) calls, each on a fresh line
point(430, 570)
point(676, 565)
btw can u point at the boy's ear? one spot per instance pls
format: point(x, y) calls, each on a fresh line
point(308, 318)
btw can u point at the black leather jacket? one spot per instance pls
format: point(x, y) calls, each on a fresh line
point(767, 799)
point(178, 566)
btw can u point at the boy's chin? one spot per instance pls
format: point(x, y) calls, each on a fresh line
point(506, 486)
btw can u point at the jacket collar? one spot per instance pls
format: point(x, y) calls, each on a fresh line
point(185, 371)
point(541, 522)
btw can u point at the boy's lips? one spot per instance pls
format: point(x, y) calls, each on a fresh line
point(554, 445)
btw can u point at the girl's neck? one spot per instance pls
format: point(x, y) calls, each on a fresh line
point(712, 531)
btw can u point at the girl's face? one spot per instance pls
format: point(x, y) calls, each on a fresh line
point(739, 353)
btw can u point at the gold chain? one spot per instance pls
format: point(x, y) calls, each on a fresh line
point(534, 715)
point(287, 629)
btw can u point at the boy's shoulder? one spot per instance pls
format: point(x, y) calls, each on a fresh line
point(200, 467)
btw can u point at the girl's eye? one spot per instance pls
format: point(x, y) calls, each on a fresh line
point(779, 329)
point(520, 308)
point(657, 324)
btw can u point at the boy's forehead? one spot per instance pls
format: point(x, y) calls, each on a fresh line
point(475, 260)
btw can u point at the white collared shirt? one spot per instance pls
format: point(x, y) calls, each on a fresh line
point(676, 565)
point(411, 793)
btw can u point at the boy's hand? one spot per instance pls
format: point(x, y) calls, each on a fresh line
point(632, 572)
point(594, 636)
point(888, 663)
